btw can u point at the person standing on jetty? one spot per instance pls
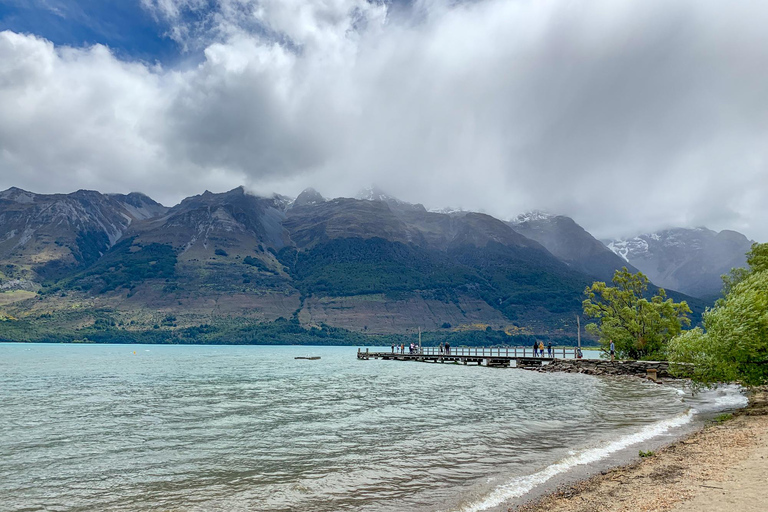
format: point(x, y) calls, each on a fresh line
point(613, 350)
point(535, 349)
point(447, 348)
point(549, 349)
point(393, 348)
point(440, 348)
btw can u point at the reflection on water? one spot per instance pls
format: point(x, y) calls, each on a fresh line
point(250, 428)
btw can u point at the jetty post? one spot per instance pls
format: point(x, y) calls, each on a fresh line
point(578, 330)
point(419, 339)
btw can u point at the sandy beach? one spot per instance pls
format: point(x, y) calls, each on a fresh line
point(722, 467)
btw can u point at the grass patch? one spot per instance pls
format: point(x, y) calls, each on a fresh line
point(648, 453)
point(15, 296)
point(722, 418)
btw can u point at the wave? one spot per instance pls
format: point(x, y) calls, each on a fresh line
point(524, 484)
point(726, 397)
point(720, 399)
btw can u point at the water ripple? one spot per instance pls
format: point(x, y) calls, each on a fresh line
point(250, 428)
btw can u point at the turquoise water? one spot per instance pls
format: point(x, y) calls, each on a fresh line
point(127, 427)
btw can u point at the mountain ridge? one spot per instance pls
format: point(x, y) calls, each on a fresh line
point(571, 243)
point(375, 266)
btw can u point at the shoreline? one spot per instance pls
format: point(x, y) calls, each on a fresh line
point(717, 464)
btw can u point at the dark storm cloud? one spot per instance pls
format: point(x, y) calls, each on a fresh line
point(626, 115)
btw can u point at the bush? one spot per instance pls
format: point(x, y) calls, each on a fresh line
point(220, 252)
point(734, 346)
point(255, 262)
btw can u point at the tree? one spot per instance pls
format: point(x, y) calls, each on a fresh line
point(733, 347)
point(640, 328)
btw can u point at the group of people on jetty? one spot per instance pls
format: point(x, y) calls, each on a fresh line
point(538, 350)
point(414, 349)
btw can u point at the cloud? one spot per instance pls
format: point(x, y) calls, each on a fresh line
point(626, 115)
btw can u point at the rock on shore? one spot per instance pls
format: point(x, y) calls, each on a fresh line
point(605, 367)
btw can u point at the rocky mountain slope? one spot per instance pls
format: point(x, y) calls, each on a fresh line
point(571, 243)
point(688, 260)
point(47, 236)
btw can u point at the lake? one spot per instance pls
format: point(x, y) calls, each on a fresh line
point(148, 427)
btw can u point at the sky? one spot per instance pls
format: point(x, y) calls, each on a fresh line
point(628, 115)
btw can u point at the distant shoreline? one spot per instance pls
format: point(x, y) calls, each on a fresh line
point(240, 344)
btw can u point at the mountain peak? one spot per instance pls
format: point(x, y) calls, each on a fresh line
point(374, 193)
point(309, 196)
point(18, 195)
point(532, 216)
point(139, 206)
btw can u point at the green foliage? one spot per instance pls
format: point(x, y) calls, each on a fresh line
point(734, 346)
point(91, 245)
point(640, 328)
point(126, 265)
point(648, 453)
point(520, 283)
point(66, 327)
point(757, 261)
point(757, 258)
point(516, 281)
point(255, 262)
point(220, 252)
point(354, 266)
point(722, 418)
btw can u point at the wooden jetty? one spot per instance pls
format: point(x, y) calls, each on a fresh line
point(486, 356)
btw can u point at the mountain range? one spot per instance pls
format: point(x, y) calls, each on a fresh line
point(688, 260)
point(231, 267)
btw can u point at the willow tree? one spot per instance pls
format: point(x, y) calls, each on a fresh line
point(733, 346)
point(639, 327)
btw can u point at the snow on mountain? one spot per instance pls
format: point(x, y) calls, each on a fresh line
point(447, 210)
point(374, 193)
point(689, 260)
point(532, 216)
point(309, 197)
point(625, 248)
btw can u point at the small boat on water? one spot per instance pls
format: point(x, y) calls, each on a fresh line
point(312, 358)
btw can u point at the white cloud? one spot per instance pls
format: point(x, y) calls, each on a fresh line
point(627, 115)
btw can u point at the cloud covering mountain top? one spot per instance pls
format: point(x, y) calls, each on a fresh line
point(626, 115)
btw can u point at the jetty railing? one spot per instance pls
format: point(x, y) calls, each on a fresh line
point(501, 352)
point(494, 351)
